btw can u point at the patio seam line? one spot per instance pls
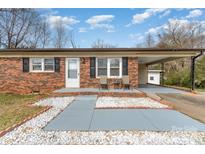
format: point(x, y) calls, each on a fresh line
point(92, 116)
point(91, 120)
point(149, 120)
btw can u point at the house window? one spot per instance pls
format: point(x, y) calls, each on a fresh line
point(151, 78)
point(49, 64)
point(110, 67)
point(42, 64)
point(102, 67)
point(36, 64)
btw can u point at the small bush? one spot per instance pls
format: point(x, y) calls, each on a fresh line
point(181, 79)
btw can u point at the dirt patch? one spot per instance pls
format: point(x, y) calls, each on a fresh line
point(191, 105)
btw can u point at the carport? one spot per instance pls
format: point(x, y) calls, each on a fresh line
point(160, 56)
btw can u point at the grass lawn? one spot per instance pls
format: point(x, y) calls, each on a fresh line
point(200, 90)
point(178, 87)
point(16, 108)
point(185, 88)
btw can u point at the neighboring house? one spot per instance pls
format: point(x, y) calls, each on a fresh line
point(45, 70)
point(154, 76)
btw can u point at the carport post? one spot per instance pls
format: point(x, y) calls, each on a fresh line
point(193, 59)
point(162, 74)
point(192, 73)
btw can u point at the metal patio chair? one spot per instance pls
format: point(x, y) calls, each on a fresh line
point(103, 82)
point(126, 82)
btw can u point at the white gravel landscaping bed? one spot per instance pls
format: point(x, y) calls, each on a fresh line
point(31, 132)
point(56, 102)
point(125, 102)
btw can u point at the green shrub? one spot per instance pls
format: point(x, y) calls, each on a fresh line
point(181, 79)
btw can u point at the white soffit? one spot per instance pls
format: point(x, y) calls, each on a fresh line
point(144, 60)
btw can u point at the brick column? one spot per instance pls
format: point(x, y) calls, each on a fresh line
point(133, 71)
point(85, 80)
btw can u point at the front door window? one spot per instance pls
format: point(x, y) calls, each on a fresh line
point(72, 69)
point(73, 72)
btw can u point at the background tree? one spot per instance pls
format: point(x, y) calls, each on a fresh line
point(182, 35)
point(200, 72)
point(102, 44)
point(72, 40)
point(19, 28)
point(149, 40)
point(61, 36)
point(45, 34)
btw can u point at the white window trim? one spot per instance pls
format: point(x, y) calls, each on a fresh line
point(43, 66)
point(120, 67)
point(108, 67)
point(96, 68)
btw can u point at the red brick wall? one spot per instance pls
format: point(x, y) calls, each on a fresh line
point(14, 80)
point(87, 82)
point(133, 71)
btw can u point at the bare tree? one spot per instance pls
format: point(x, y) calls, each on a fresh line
point(149, 40)
point(72, 40)
point(18, 27)
point(177, 35)
point(61, 35)
point(0, 38)
point(45, 34)
point(36, 35)
point(101, 44)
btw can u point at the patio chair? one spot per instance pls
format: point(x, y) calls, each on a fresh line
point(126, 82)
point(117, 83)
point(103, 82)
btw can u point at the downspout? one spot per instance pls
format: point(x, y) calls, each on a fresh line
point(193, 60)
point(162, 74)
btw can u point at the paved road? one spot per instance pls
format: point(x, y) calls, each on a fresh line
point(81, 115)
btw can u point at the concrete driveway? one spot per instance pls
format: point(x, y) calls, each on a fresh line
point(148, 88)
point(81, 115)
point(192, 105)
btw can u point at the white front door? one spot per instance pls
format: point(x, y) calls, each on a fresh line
point(73, 72)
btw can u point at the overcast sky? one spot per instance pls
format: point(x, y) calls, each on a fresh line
point(121, 27)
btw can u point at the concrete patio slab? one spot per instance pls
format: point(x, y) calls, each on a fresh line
point(81, 115)
point(94, 90)
point(87, 97)
point(77, 116)
point(120, 119)
point(167, 120)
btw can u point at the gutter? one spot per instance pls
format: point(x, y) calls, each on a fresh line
point(193, 60)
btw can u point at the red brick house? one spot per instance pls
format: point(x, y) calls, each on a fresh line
point(45, 70)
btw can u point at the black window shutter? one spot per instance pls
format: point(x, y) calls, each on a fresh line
point(92, 67)
point(57, 64)
point(25, 64)
point(124, 65)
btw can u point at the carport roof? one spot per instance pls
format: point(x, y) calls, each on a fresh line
point(100, 52)
point(102, 49)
